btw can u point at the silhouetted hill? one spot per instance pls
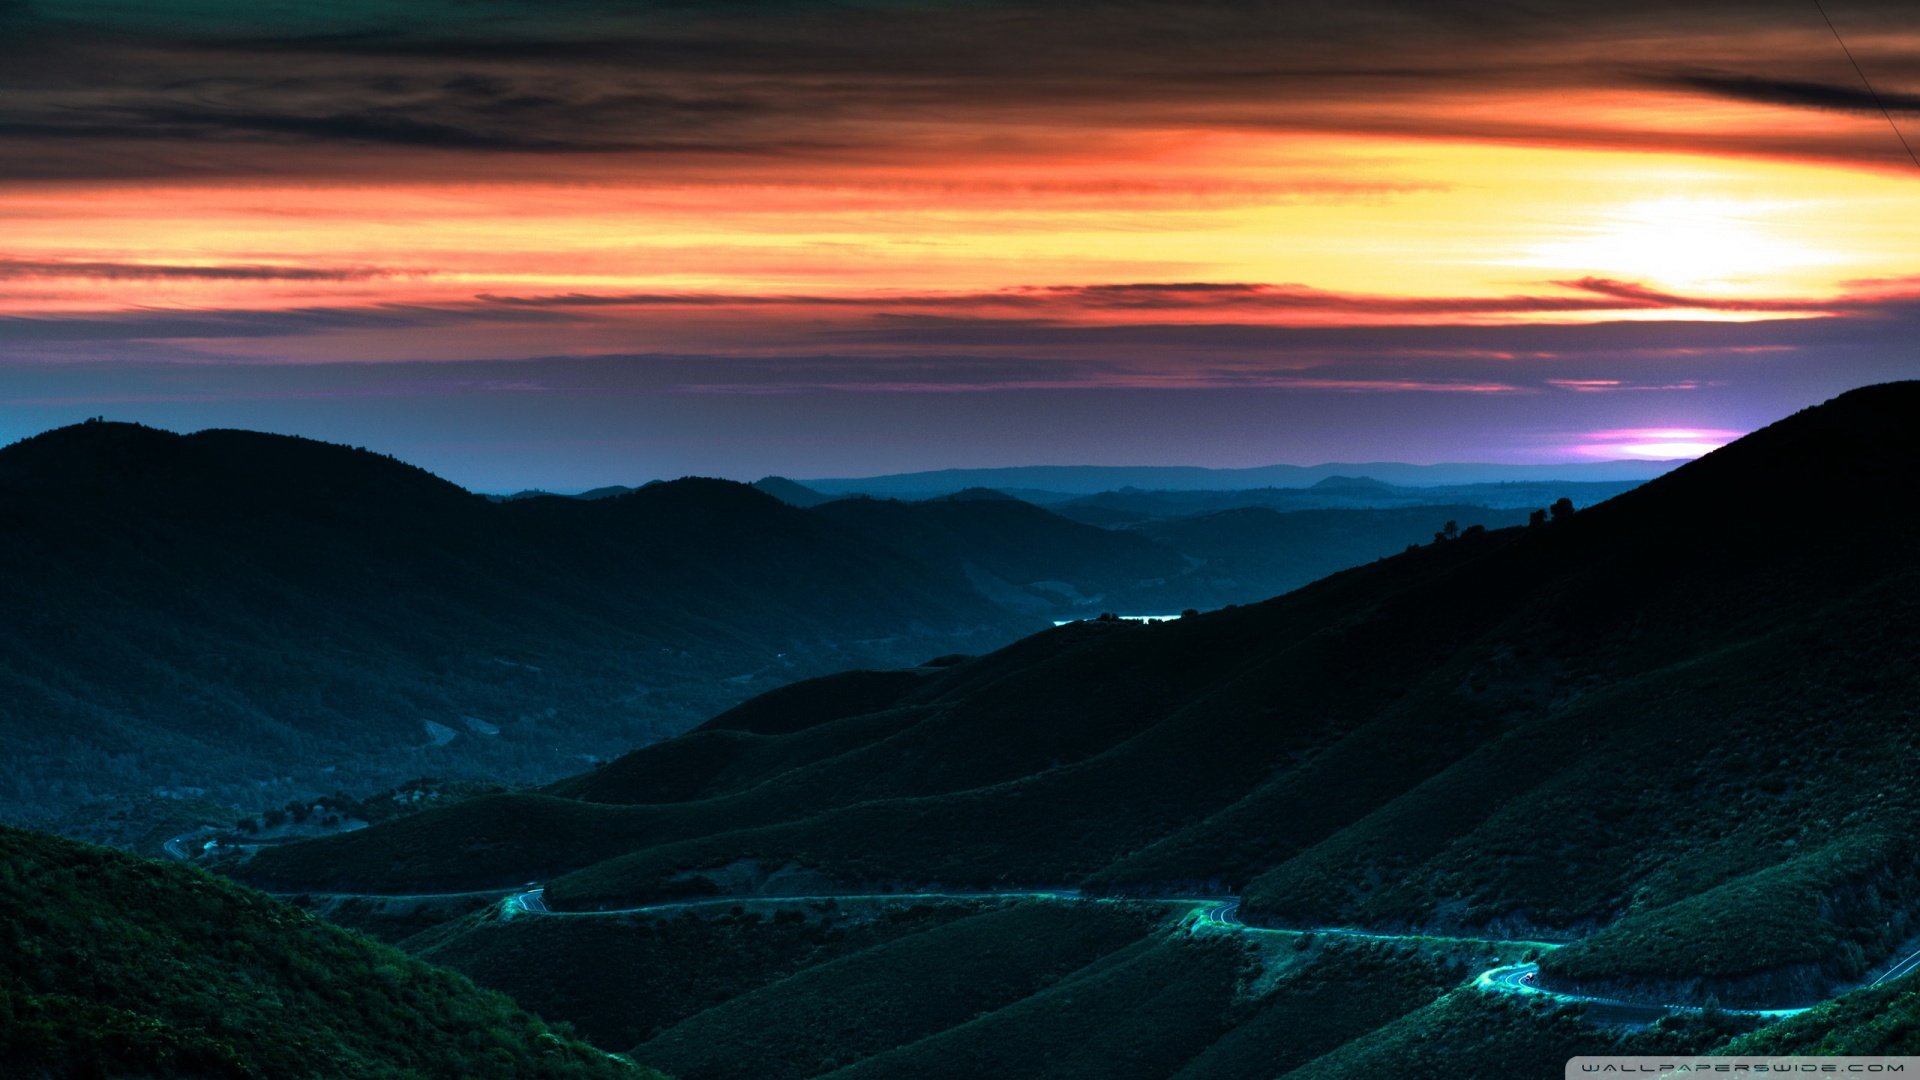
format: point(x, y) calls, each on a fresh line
point(255, 617)
point(590, 494)
point(1677, 725)
point(1351, 484)
point(791, 493)
point(117, 966)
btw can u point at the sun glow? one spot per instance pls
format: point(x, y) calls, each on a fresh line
point(1705, 244)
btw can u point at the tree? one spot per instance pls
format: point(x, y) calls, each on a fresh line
point(1562, 508)
point(1536, 519)
point(1474, 530)
point(1450, 531)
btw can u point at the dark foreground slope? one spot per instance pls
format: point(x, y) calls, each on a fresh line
point(117, 966)
point(258, 617)
point(1678, 726)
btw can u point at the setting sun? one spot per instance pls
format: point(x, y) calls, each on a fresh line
point(1705, 244)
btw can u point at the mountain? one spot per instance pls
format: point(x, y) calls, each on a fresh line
point(1674, 729)
point(1351, 485)
point(117, 966)
point(791, 493)
point(590, 494)
point(248, 618)
point(1040, 481)
point(1021, 556)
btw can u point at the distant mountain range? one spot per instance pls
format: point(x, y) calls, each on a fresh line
point(1674, 730)
point(1048, 482)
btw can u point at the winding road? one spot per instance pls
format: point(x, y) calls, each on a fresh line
point(1521, 979)
point(1210, 913)
point(1221, 914)
point(1898, 969)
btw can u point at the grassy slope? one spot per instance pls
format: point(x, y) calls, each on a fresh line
point(1341, 995)
point(624, 980)
point(1137, 1013)
point(111, 965)
point(897, 992)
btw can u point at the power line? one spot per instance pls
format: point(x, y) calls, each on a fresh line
point(1868, 83)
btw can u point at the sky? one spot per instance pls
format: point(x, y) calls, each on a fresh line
point(580, 242)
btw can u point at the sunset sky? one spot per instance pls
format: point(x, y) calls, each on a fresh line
point(579, 242)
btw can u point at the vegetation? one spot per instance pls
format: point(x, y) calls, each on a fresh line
point(1343, 993)
point(903, 990)
point(113, 965)
point(625, 979)
point(1878, 1020)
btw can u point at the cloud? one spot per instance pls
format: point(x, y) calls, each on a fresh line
point(1615, 386)
point(1812, 95)
point(1584, 295)
point(1632, 294)
point(162, 324)
point(859, 84)
point(126, 271)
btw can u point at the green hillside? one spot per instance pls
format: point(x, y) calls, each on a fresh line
point(1677, 726)
point(117, 966)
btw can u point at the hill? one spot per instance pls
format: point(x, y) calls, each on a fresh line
point(117, 966)
point(789, 492)
point(1657, 725)
point(1020, 555)
point(248, 618)
point(1351, 484)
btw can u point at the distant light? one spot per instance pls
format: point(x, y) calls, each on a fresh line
point(1124, 618)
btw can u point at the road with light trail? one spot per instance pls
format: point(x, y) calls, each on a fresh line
point(1213, 913)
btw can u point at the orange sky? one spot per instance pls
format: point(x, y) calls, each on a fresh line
point(560, 182)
